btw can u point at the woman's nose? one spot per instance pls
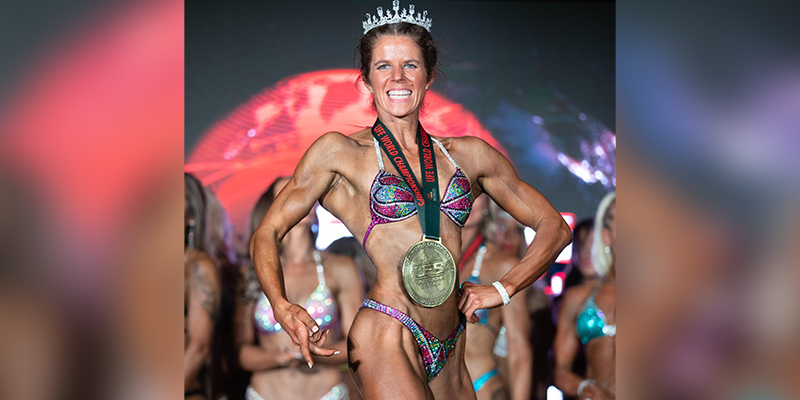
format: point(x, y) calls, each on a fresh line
point(398, 74)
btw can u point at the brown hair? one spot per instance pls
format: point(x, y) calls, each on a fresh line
point(195, 206)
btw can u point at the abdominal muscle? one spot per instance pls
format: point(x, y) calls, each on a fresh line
point(348, 200)
point(387, 246)
point(297, 382)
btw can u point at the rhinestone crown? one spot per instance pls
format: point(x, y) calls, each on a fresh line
point(374, 21)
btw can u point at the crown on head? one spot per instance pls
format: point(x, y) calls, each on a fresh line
point(374, 21)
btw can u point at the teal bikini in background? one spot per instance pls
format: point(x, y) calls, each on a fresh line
point(592, 321)
point(483, 316)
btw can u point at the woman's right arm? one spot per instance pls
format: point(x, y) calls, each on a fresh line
point(311, 180)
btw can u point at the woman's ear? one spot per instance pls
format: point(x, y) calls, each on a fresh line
point(365, 83)
point(607, 238)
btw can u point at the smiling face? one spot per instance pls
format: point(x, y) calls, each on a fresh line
point(397, 76)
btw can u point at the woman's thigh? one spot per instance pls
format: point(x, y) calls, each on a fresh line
point(384, 359)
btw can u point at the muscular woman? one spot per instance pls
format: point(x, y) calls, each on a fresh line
point(399, 348)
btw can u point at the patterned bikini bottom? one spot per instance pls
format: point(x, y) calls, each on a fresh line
point(434, 351)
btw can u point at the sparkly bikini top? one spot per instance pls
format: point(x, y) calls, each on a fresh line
point(391, 200)
point(592, 321)
point(320, 305)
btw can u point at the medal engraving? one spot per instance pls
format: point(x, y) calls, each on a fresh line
point(429, 273)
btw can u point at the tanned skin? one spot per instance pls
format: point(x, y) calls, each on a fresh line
point(338, 171)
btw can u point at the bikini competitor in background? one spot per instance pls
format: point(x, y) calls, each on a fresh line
point(327, 285)
point(484, 261)
point(201, 294)
point(588, 317)
point(406, 195)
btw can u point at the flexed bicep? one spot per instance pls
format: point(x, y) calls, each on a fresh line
point(498, 179)
point(312, 178)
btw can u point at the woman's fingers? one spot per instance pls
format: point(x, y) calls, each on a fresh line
point(468, 307)
point(465, 290)
point(322, 338)
point(306, 319)
point(317, 349)
point(471, 312)
point(323, 352)
point(474, 297)
point(301, 334)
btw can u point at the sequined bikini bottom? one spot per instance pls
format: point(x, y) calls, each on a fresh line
point(434, 351)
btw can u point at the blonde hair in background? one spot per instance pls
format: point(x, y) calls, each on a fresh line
point(601, 259)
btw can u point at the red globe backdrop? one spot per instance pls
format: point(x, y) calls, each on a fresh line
point(264, 138)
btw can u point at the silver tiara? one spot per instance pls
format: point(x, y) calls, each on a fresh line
point(374, 21)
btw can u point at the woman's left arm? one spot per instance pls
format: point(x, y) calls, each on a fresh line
point(496, 176)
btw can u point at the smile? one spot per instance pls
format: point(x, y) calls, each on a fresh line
point(399, 94)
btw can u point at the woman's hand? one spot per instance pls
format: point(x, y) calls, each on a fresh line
point(473, 297)
point(303, 330)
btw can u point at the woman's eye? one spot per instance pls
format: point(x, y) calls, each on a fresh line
point(411, 66)
point(384, 66)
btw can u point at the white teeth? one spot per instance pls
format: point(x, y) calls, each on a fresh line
point(399, 94)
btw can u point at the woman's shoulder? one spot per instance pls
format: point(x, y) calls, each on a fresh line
point(463, 143)
point(333, 145)
point(470, 152)
point(356, 138)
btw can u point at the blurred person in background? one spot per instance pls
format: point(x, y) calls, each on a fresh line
point(581, 268)
point(580, 271)
point(588, 317)
point(349, 246)
point(202, 291)
point(328, 286)
point(222, 251)
point(36, 338)
point(489, 255)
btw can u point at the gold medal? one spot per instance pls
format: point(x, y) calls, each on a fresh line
point(429, 273)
